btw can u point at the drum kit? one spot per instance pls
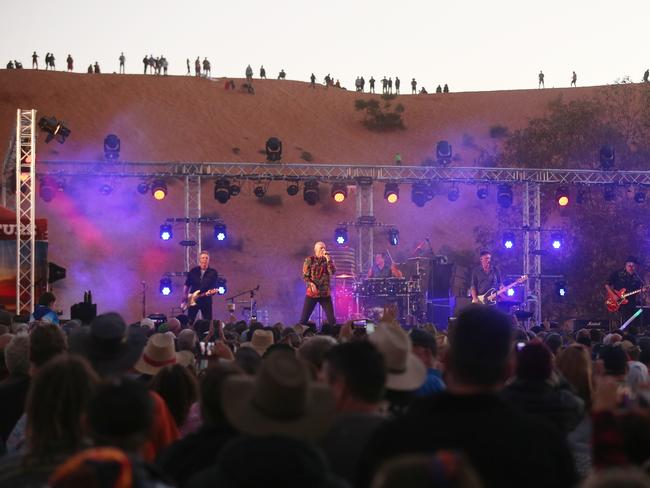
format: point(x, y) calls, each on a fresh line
point(356, 297)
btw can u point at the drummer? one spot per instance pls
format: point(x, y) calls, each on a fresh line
point(384, 267)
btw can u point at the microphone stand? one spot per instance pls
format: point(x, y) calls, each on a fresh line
point(253, 303)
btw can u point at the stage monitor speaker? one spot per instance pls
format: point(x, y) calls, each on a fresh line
point(603, 324)
point(85, 312)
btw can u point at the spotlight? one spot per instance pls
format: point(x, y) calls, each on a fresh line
point(607, 157)
point(166, 286)
point(222, 190)
point(443, 153)
point(420, 194)
point(310, 193)
point(234, 189)
point(504, 195)
point(273, 149)
point(562, 196)
point(561, 289)
point(105, 189)
point(143, 187)
point(393, 236)
point(47, 189)
point(293, 189)
point(159, 189)
point(453, 194)
point(556, 240)
point(639, 195)
point(341, 235)
point(220, 232)
point(391, 192)
point(510, 292)
point(339, 192)
point(166, 232)
point(111, 147)
point(55, 272)
point(482, 192)
point(222, 287)
point(609, 194)
point(55, 129)
point(508, 240)
point(259, 191)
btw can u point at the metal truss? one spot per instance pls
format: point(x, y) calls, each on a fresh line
point(8, 168)
point(25, 218)
point(532, 243)
point(331, 172)
point(193, 222)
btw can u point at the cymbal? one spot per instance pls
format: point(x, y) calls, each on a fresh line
point(344, 275)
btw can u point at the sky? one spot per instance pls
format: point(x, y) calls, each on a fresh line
point(473, 45)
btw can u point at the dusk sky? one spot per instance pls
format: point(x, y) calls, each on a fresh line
point(471, 45)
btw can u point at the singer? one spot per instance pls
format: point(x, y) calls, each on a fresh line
point(316, 272)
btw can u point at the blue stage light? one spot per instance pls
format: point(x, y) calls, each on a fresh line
point(561, 289)
point(222, 287)
point(341, 235)
point(220, 233)
point(166, 232)
point(166, 286)
point(510, 292)
point(556, 240)
point(508, 240)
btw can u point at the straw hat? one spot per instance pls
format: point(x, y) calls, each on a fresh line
point(158, 353)
point(261, 341)
point(405, 371)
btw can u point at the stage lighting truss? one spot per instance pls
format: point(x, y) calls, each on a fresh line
point(391, 192)
point(339, 192)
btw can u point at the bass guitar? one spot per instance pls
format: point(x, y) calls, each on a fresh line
point(194, 296)
point(614, 302)
point(490, 296)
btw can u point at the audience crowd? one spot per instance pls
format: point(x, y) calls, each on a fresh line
point(483, 404)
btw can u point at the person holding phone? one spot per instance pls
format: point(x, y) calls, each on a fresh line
point(316, 272)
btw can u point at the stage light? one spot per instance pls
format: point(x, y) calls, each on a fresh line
point(510, 292)
point(420, 194)
point(234, 189)
point(508, 240)
point(310, 192)
point(111, 147)
point(561, 289)
point(259, 191)
point(556, 240)
point(55, 272)
point(222, 286)
point(55, 129)
point(639, 195)
point(293, 189)
point(391, 192)
point(504, 195)
point(453, 194)
point(105, 189)
point(607, 157)
point(341, 235)
point(443, 153)
point(159, 189)
point(47, 189)
point(220, 232)
point(609, 193)
point(393, 236)
point(143, 187)
point(562, 196)
point(482, 192)
point(339, 192)
point(166, 232)
point(222, 190)
point(273, 149)
point(166, 286)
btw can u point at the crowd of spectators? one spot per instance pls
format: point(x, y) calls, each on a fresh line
point(240, 404)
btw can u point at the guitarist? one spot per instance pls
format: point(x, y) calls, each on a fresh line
point(202, 278)
point(484, 277)
point(627, 278)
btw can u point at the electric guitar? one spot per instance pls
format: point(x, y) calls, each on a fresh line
point(614, 302)
point(490, 296)
point(194, 296)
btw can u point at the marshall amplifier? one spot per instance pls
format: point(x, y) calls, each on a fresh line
point(602, 324)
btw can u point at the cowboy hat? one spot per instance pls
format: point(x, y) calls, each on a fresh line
point(404, 370)
point(280, 399)
point(109, 345)
point(261, 341)
point(158, 353)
